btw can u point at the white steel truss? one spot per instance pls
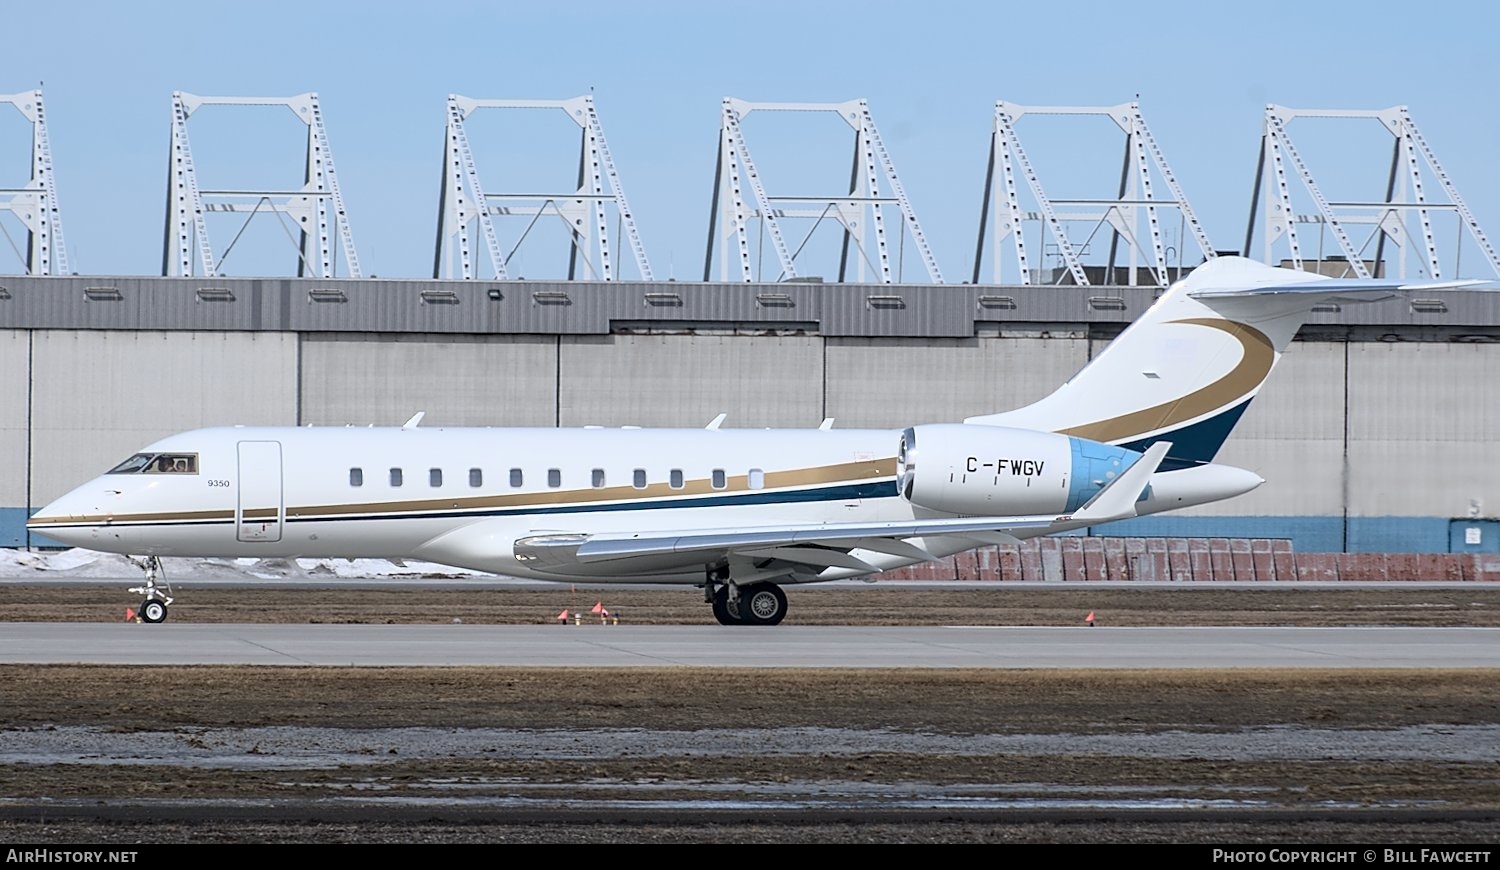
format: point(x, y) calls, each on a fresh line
point(316, 209)
point(1405, 217)
point(35, 203)
point(1133, 216)
point(464, 202)
point(861, 213)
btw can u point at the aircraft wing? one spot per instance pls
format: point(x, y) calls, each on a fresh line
point(788, 541)
point(830, 544)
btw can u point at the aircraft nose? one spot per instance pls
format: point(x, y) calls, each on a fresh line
point(74, 519)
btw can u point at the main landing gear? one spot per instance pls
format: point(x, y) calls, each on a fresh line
point(759, 603)
point(157, 590)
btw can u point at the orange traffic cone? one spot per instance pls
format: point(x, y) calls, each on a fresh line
point(129, 614)
point(563, 617)
point(1089, 619)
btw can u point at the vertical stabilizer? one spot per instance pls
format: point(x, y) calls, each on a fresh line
point(1186, 369)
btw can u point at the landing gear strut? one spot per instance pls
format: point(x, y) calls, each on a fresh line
point(157, 590)
point(758, 603)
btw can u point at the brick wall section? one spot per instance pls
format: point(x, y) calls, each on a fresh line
point(1115, 564)
point(1179, 563)
point(1261, 561)
point(1031, 560)
point(1072, 559)
point(1096, 558)
point(1093, 559)
point(1284, 561)
point(1158, 557)
point(1318, 566)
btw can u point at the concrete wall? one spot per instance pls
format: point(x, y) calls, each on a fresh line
point(1422, 424)
point(1417, 432)
point(1293, 436)
point(687, 380)
point(500, 380)
point(100, 396)
point(899, 382)
point(15, 378)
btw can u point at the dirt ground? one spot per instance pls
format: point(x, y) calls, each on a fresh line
point(862, 604)
point(232, 754)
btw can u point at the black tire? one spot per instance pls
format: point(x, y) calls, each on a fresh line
point(153, 611)
point(763, 604)
point(725, 612)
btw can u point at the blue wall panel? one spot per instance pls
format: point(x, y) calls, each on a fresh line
point(1308, 534)
point(13, 526)
point(1398, 534)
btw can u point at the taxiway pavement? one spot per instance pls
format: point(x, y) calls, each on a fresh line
point(766, 647)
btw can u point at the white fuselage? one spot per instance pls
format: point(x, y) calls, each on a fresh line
point(464, 496)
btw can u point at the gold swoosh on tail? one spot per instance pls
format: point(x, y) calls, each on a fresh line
point(1240, 382)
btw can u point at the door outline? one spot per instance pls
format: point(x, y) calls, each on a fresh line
point(258, 509)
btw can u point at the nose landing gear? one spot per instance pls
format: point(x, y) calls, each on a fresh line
point(157, 590)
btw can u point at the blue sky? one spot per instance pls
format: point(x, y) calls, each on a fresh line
point(658, 70)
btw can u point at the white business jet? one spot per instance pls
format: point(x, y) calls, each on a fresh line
point(739, 513)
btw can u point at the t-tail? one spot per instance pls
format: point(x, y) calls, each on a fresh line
point(1186, 370)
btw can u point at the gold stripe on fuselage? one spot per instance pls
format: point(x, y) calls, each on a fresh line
point(94, 519)
point(848, 472)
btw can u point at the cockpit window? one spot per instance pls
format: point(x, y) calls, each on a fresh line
point(158, 463)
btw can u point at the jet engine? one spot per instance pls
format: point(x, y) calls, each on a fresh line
point(977, 470)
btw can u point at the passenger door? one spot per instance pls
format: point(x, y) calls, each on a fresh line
point(259, 511)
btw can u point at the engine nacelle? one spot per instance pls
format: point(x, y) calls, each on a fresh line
point(977, 470)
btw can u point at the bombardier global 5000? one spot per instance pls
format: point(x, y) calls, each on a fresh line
point(739, 513)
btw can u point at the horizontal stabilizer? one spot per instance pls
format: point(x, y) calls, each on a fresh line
point(1353, 289)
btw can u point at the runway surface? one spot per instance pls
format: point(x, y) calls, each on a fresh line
point(730, 647)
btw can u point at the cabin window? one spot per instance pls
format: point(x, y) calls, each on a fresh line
point(554, 477)
point(675, 478)
point(515, 477)
point(596, 477)
point(757, 478)
point(476, 477)
point(434, 477)
point(158, 463)
point(356, 477)
point(395, 477)
point(640, 478)
point(719, 480)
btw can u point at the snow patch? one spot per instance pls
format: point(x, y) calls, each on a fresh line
point(88, 563)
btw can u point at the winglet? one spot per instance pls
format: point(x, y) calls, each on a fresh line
point(1116, 501)
point(717, 421)
point(415, 420)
